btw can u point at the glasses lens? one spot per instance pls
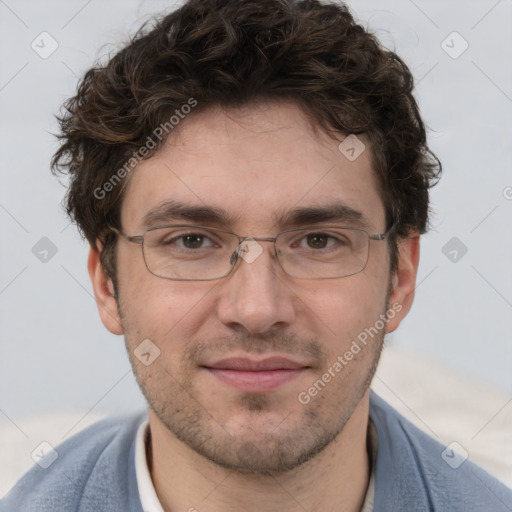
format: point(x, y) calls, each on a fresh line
point(188, 253)
point(323, 253)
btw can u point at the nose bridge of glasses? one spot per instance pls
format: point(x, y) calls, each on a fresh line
point(248, 248)
point(265, 239)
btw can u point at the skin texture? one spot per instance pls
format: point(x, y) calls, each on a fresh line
point(215, 447)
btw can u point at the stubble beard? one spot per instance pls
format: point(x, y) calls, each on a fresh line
point(303, 432)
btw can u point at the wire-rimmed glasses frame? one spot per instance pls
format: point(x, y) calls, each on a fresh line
point(235, 255)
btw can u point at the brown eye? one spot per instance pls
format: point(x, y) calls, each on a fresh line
point(186, 241)
point(317, 240)
point(192, 241)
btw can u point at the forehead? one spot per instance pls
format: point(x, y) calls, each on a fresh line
point(253, 166)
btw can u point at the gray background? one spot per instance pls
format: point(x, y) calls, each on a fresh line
point(56, 354)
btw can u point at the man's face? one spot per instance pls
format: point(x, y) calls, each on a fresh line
point(255, 164)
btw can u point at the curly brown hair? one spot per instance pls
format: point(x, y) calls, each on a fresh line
point(232, 53)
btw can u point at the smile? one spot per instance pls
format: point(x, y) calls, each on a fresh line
point(256, 376)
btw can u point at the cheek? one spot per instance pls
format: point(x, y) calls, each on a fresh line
point(353, 298)
point(167, 312)
point(339, 312)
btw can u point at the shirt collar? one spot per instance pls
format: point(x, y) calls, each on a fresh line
point(148, 497)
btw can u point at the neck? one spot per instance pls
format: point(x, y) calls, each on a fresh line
point(335, 479)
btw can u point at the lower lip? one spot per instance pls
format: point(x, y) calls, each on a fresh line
point(256, 381)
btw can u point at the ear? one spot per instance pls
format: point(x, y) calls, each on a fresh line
point(104, 292)
point(404, 280)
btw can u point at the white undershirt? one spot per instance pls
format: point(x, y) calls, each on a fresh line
point(149, 499)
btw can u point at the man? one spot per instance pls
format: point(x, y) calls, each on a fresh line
point(253, 180)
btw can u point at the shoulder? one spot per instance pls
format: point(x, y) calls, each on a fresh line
point(83, 473)
point(416, 472)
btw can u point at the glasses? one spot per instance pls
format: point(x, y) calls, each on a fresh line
point(185, 252)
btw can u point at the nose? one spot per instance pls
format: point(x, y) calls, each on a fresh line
point(256, 296)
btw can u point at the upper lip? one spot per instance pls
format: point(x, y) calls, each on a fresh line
point(251, 365)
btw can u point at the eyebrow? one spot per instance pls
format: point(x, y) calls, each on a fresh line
point(172, 211)
point(331, 212)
